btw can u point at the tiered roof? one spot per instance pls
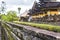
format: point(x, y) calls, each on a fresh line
point(51, 4)
point(37, 7)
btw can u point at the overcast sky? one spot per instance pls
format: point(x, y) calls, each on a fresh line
point(14, 4)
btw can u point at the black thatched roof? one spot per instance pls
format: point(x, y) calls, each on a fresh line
point(51, 4)
point(47, 0)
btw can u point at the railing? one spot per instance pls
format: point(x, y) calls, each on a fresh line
point(4, 34)
point(35, 32)
point(13, 34)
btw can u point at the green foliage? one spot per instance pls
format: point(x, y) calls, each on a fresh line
point(4, 17)
point(11, 16)
point(42, 26)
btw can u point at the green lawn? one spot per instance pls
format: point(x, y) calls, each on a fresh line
point(41, 26)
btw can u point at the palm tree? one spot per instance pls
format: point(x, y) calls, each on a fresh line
point(19, 12)
point(19, 9)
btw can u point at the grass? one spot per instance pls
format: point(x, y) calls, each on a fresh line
point(41, 26)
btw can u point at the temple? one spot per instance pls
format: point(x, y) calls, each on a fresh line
point(24, 16)
point(45, 10)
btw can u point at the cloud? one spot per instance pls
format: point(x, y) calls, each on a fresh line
point(24, 4)
point(18, 2)
point(25, 0)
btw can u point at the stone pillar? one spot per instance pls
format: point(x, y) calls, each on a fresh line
point(59, 11)
point(48, 15)
point(30, 18)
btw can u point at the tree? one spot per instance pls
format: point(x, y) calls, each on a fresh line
point(4, 17)
point(19, 12)
point(19, 9)
point(11, 16)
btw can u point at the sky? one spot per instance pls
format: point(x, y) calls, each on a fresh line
point(14, 4)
